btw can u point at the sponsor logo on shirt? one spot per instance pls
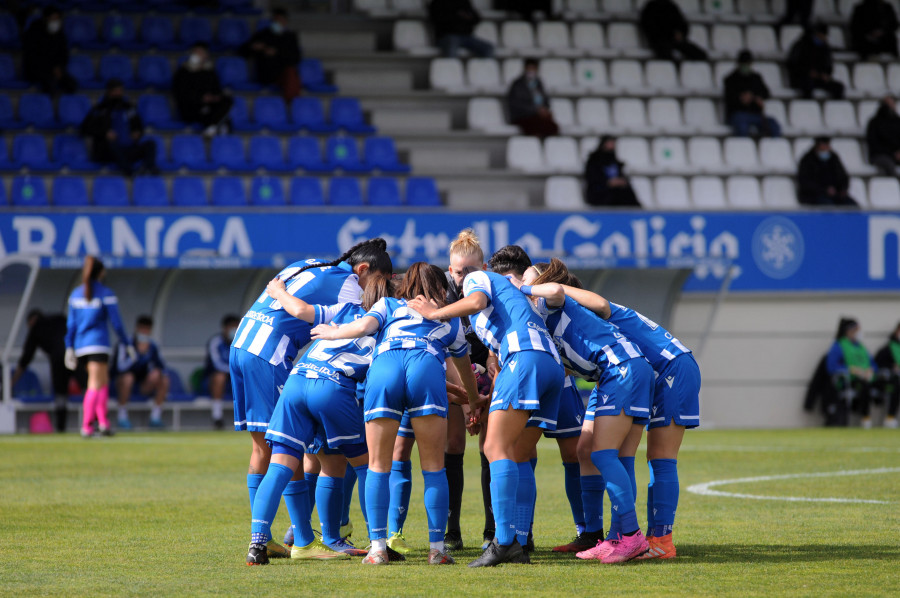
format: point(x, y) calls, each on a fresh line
point(259, 317)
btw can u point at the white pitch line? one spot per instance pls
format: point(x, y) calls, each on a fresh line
point(705, 489)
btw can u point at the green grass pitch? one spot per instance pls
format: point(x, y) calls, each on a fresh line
point(167, 515)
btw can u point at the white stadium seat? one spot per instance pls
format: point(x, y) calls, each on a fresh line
point(669, 154)
point(623, 36)
point(699, 34)
point(836, 39)
point(740, 154)
point(665, 114)
point(689, 7)
point(409, 6)
point(561, 155)
point(554, 37)
point(584, 7)
point(851, 156)
point(618, 6)
point(840, 117)
point(671, 193)
point(563, 193)
point(758, 10)
point(518, 36)
point(628, 114)
point(634, 152)
point(487, 30)
point(761, 40)
point(718, 7)
point(512, 70)
point(857, 190)
point(556, 73)
point(525, 154)
point(884, 193)
point(700, 115)
point(661, 76)
point(728, 39)
point(371, 6)
point(564, 115)
point(412, 37)
point(626, 75)
point(775, 109)
point(776, 156)
point(865, 110)
point(842, 74)
point(593, 114)
point(893, 76)
point(586, 147)
point(643, 189)
point(697, 76)
point(483, 74)
point(590, 74)
point(869, 78)
point(705, 154)
point(743, 193)
point(806, 117)
point(801, 146)
point(486, 114)
point(788, 35)
point(708, 193)
point(447, 74)
point(778, 193)
point(588, 37)
point(845, 7)
point(771, 74)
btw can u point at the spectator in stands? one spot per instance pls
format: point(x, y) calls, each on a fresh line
point(217, 371)
point(145, 369)
point(48, 333)
point(666, 31)
point(821, 177)
point(852, 369)
point(873, 28)
point(745, 101)
point(453, 22)
point(277, 54)
point(198, 93)
point(810, 64)
point(116, 132)
point(528, 9)
point(529, 106)
point(798, 11)
point(888, 380)
point(883, 137)
point(45, 54)
point(604, 173)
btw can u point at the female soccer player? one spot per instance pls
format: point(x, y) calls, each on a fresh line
point(526, 392)
point(269, 338)
point(92, 308)
point(318, 404)
point(408, 373)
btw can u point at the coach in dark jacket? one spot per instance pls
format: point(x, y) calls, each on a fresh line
point(745, 97)
point(453, 22)
point(48, 333)
point(198, 92)
point(666, 31)
point(276, 53)
point(883, 137)
point(528, 104)
point(810, 64)
point(604, 173)
point(821, 177)
point(45, 54)
point(873, 28)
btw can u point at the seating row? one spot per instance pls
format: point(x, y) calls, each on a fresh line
point(191, 191)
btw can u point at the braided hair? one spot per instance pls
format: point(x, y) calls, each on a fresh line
point(372, 252)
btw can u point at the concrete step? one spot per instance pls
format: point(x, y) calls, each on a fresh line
point(462, 196)
point(426, 159)
point(352, 81)
point(423, 119)
point(323, 42)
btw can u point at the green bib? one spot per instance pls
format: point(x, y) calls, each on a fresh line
point(895, 351)
point(855, 355)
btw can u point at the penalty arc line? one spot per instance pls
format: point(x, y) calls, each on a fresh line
point(706, 489)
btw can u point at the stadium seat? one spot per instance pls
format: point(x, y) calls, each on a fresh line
point(589, 38)
point(189, 191)
point(893, 76)
point(556, 74)
point(409, 6)
point(857, 190)
point(518, 36)
point(701, 116)
point(422, 192)
point(884, 193)
point(347, 114)
point(705, 154)
point(593, 114)
point(851, 156)
point(761, 40)
point(313, 77)
point(740, 154)
point(865, 110)
point(36, 110)
point(227, 151)
point(307, 113)
point(72, 109)
point(240, 115)
point(719, 8)
point(671, 193)
point(69, 191)
point(525, 154)
point(787, 36)
point(563, 193)
point(669, 154)
point(305, 153)
point(512, 69)
point(708, 193)
point(307, 191)
point(188, 151)
point(627, 76)
point(775, 109)
point(561, 155)
point(446, 74)
point(743, 193)
point(553, 36)
point(28, 192)
point(30, 151)
point(383, 191)
point(228, 191)
point(629, 115)
point(778, 193)
point(381, 154)
point(806, 117)
point(643, 189)
point(727, 39)
point(771, 74)
point(691, 8)
point(661, 76)
point(801, 146)
point(8, 120)
point(344, 191)
point(564, 115)
point(590, 74)
point(156, 113)
point(233, 73)
point(697, 76)
point(231, 33)
point(584, 8)
point(81, 67)
point(70, 151)
point(586, 146)
point(760, 11)
point(699, 35)
point(149, 192)
point(110, 192)
point(343, 152)
point(869, 78)
point(412, 37)
point(117, 66)
point(840, 117)
point(487, 30)
point(619, 7)
point(159, 32)
point(9, 32)
point(195, 29)
point(623, 37)
point(154, 71)
point(8, 78)
point(486, 114)
point(483, 75)
point(775, 156)
point(270, 113)
point(81, 32)
point(635, 153)
point(665, 115)
point(119, 31)
point(265, 152)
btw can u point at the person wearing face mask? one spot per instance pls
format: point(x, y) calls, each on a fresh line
point(873, 28)
point(45, 54)
point(217, 371)
point(852, 369)
point(198, 92)
point(745, 96)
point(883, 137)
point(276, 53)
point(528, 104)
point(810, 64)
point(142, 368)
point(821, 177)
point(607, 184)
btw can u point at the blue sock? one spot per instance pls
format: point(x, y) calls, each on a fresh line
point(592, 488)
point(650, 508)
point(330, 498)
point(615, 524)
point(311, 480)
point(504, 483)
point(665, 495)
point(349, 482)
point(378, 498)
point(573, 493)
point(618, 485)
point(533, 463)
point(362, 473)
point(253, 482)
point(437, 503)
point(525, 497)
point(296, 498)
point(401, 488)
point(265, 502)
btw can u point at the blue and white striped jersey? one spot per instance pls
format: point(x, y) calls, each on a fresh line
point(589, 344)
point(88, 321)
point(509, 323)
point(343, 361)
point(401, 327)
point(657, 343)
point(271, 333)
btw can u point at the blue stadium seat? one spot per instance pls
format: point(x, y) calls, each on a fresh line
point(149, 192)
point(240, 116)
point(177, 391)
point(383, 191)
point(304, 152)
point(195, 29)
point(9, 32)
point(70, 191)
point(72, 109)
point(228, 191)
point(8, 78)
point(159, 32)
point(29, 191)
point(168, 6)
point(154, 71)
point(119, 31)
point(308, 113)
point(81, 32)
point(227, 151)
point(231, 33)
point(81, 67)
point(36, 109)
point(5, 163)
point(117, 66)
point(347, 114)
point(381, 154)
point(110, 192)
point(313, 77)
point(155, 111)
point(270, 113)
point(267, 191)
point(422, 191)
point(8, 120)
point(70, 151)
point(233, 73)
point(28, 388)
point(344, 191)
point(344, 154)
point(189, 152)
point(189, 191)
point(265, 152)
point(30, 151)
point(307, 191)
point(242, 7)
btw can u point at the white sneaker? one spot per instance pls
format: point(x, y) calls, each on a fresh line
point(891, 422)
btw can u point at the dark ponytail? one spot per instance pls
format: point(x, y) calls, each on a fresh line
point(844, 326)
point(90, 272)
point(372, 252)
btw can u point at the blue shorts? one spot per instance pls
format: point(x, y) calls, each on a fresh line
point(255, 385)
point(628, 387)
point(406, 429)
point(311, 407)
point(405, 380)
point(571, 412)
point(676, 395)
point(530, 381)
